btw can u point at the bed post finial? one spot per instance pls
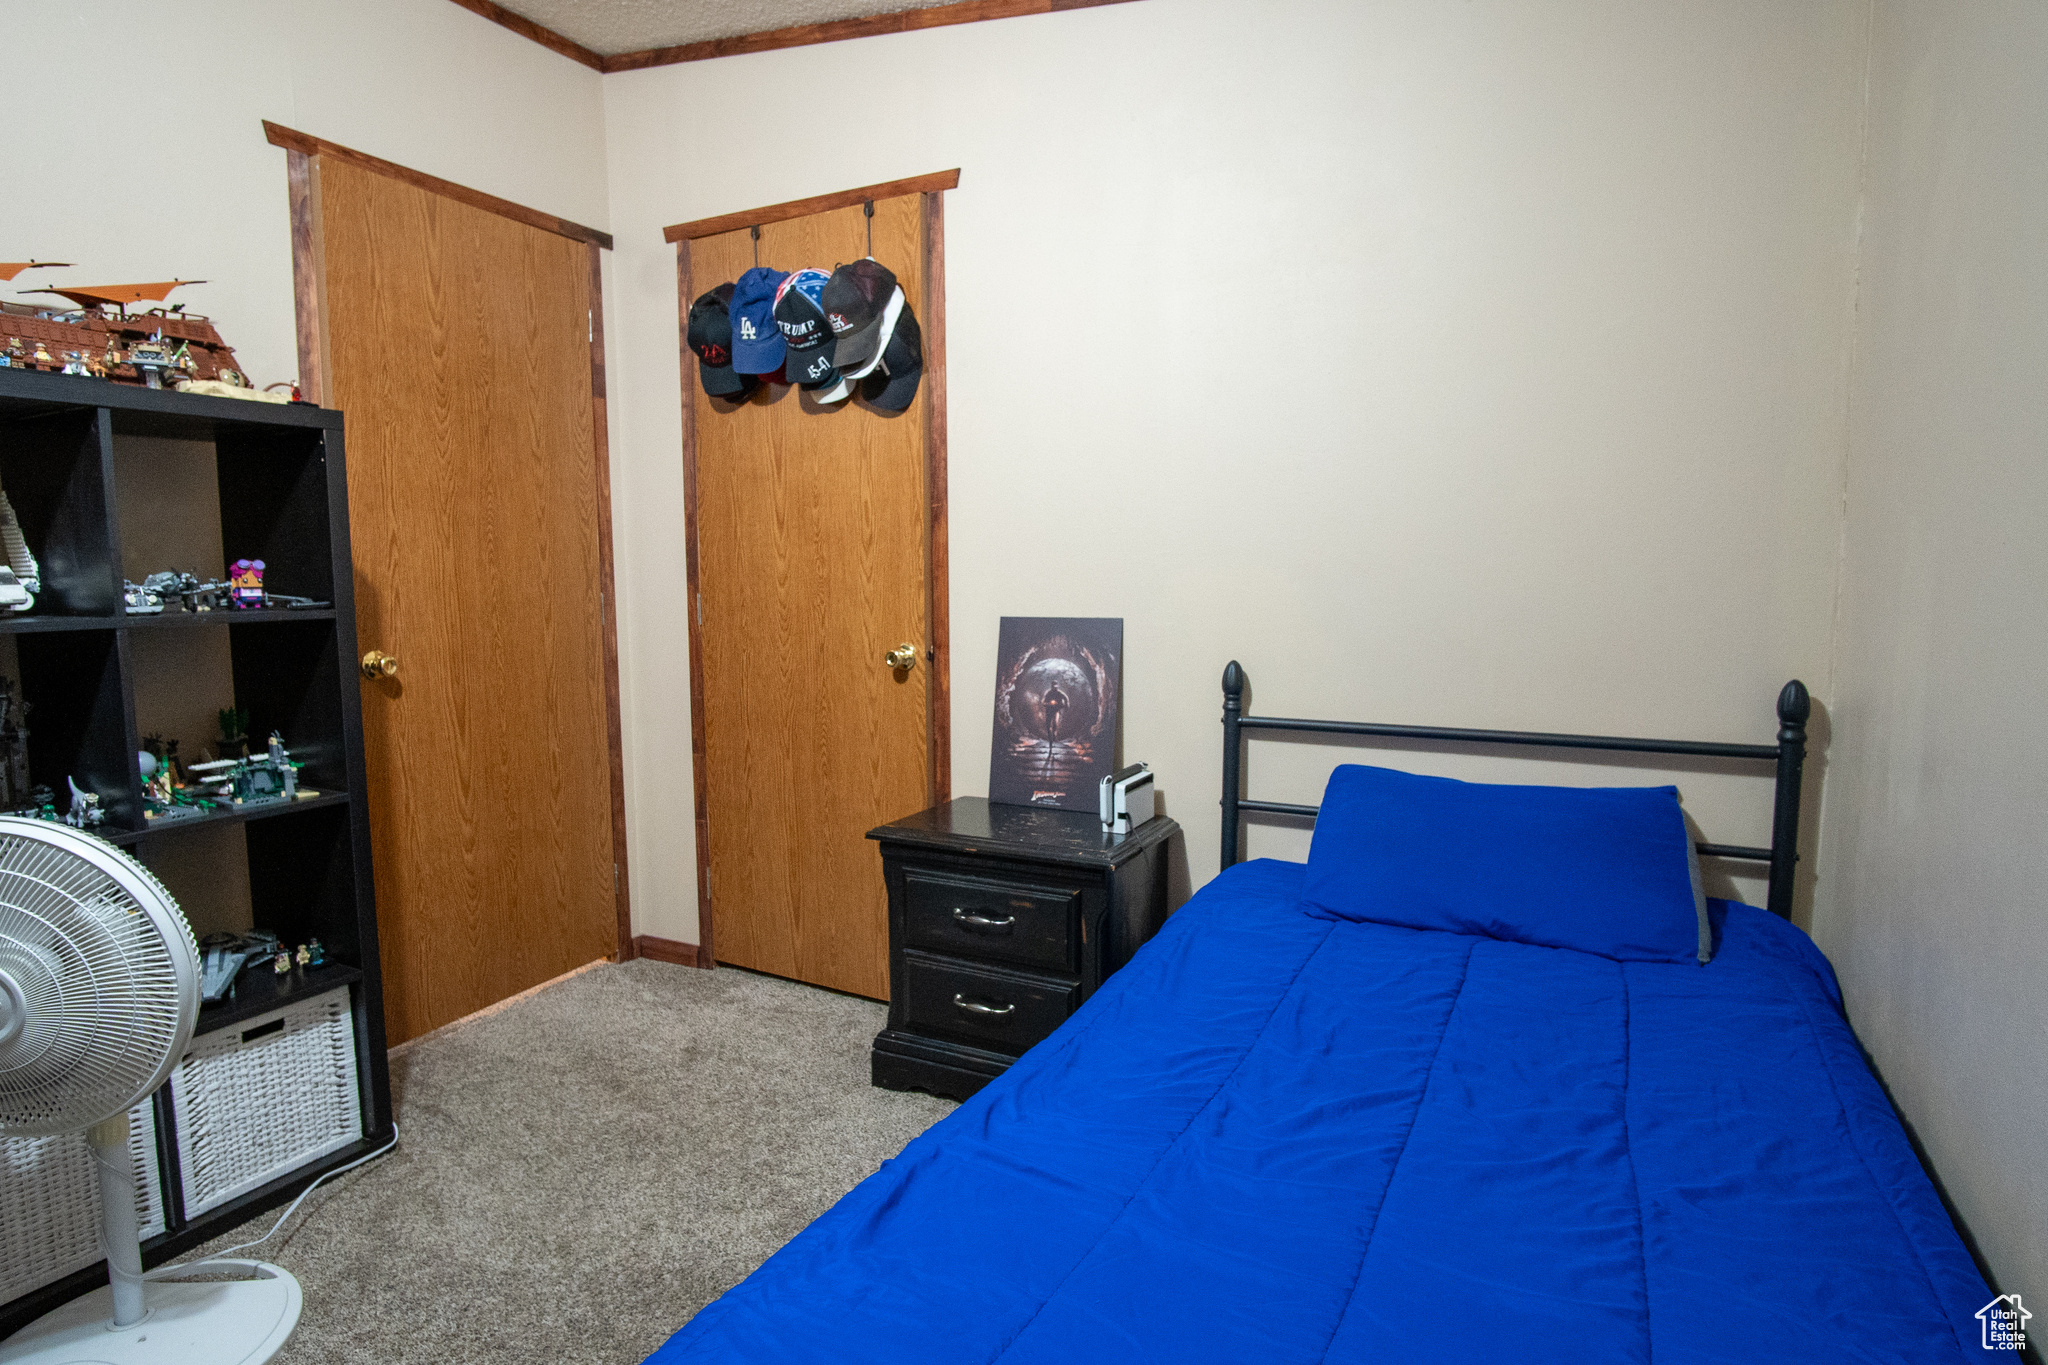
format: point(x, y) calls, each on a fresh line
point(1233, 752)
point(1795, 705)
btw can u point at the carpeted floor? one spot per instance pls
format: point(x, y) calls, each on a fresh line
point(583, 1170)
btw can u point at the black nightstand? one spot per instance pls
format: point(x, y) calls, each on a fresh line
point(1002, 920)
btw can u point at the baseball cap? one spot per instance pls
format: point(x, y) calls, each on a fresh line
point(861, 302)
point(893, 383)
point(711, 339)
point(808, 360)
point(757, 346)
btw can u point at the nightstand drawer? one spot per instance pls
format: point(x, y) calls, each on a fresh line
point(1002, 920)
point(976, 918)
point(988, 1006)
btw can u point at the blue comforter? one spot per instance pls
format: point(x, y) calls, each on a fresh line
point(1275, 1137)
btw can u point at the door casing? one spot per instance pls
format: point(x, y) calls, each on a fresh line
point(304, 155)
point(931, 191)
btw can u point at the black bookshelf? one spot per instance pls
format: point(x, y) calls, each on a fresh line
point(129, 838)
point(261, 991)
point(172, 620)
point(80, 661)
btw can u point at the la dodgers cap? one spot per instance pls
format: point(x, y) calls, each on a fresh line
point(757, 346)
point(711, 339)
point(805, 333)
point(893, 383)
point(861, 302)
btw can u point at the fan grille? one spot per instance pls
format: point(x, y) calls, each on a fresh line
point(110, 997)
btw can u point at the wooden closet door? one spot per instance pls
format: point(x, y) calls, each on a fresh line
point(812, 563)
point(458, 345)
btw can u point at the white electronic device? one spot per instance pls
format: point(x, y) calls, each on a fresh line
point(1127, 799)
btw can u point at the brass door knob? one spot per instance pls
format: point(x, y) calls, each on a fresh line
point(903, 658)
point(377, 664)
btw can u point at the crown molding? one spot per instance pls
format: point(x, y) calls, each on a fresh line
point(798, 35)
point(526, 28)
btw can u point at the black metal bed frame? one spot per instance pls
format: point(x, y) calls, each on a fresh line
point(1788, 755)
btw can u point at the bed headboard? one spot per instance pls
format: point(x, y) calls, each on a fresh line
point(1787, 756)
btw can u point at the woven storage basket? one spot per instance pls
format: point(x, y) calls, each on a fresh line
point(258, 1101)
point(50, 1203)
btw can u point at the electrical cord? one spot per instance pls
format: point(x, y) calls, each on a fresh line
point(220, 1257)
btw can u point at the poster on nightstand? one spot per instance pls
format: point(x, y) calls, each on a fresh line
point(1059, 682)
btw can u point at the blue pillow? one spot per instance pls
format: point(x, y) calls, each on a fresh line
point(1606, 870)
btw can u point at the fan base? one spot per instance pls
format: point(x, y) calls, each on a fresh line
point(189, 1322)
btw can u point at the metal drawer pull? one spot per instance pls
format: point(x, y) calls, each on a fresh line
point(981, 1006)
point(982, 922)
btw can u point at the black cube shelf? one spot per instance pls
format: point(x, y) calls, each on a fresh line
point(283, 498)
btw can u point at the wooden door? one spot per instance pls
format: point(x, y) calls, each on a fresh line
point(813, 561)
point(458, 343)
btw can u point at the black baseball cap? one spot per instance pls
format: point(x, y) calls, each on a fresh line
point(893, 383)
point(711, 339)
point(805, 333)
point(862, 302)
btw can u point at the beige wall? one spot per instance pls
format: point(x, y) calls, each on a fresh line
point(1483, 363)
point(142, 157)
point(1935, 862)
point(1475, 364)
point(141, 154)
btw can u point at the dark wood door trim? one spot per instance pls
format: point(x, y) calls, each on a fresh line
point(700, 775)
point(939, 745)
point(302, 167)
point(294, 141)
point(608, 605)
point(302, 182)
point(671, 951)
point(939, 609)
point(934, 183)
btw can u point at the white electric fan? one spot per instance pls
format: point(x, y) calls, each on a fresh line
point(99, 990)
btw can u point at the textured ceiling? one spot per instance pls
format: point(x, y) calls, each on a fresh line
point(608, 27)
